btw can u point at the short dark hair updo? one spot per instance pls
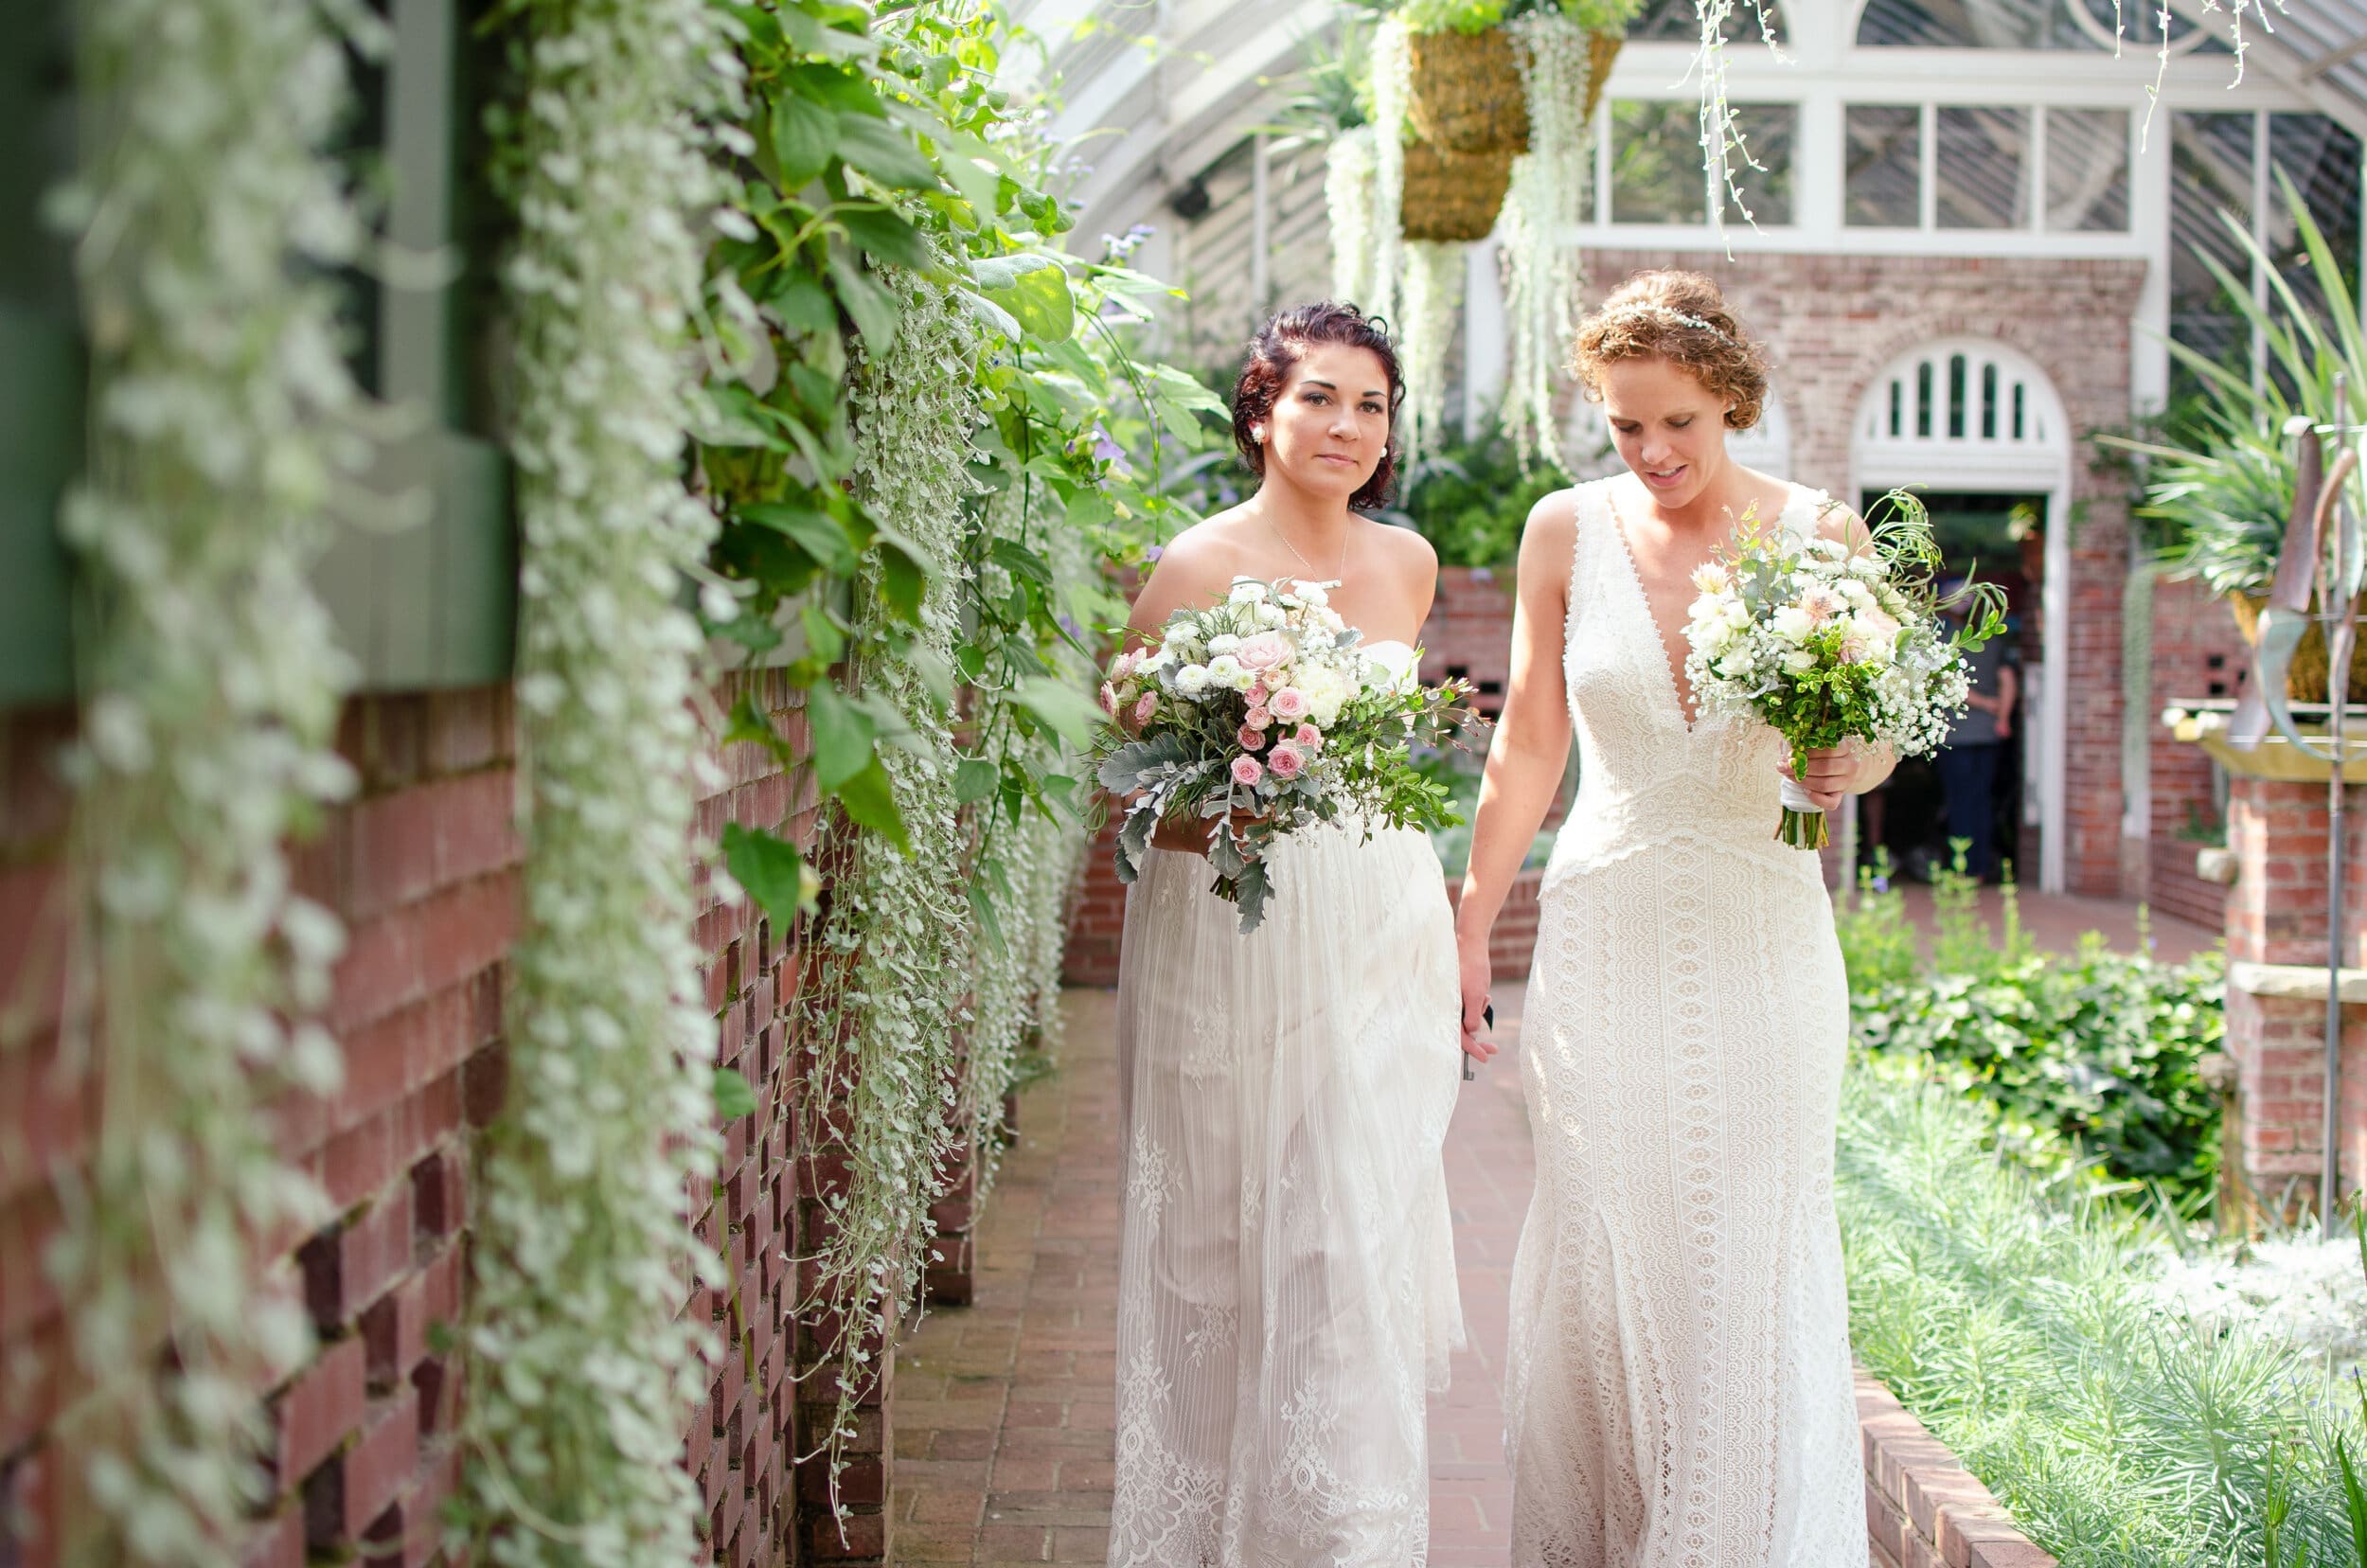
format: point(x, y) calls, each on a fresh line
point(1274, 352)
point(1681, 317)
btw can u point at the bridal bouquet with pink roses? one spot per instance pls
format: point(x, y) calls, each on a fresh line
point(1826, 642)
point(1265, 716)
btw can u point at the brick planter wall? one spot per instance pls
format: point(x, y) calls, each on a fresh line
point(424, 868)
point(2276, 944)
point(2198, 655)
point(1923, 1508)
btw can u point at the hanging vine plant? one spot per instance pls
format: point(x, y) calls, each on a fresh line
point(210, 683)
point(917, 410)
point(583, 1362)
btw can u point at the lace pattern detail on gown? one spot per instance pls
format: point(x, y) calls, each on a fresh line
point(1286, 1286)
point(1678, 1392)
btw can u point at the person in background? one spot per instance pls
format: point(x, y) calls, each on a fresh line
point(1968, 764)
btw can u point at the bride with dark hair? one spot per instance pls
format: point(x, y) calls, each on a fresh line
point(1286, 1283)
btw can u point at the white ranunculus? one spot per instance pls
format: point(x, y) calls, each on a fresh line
point(1313, 594)
point(1737, 614)
point(1272, 614)
point(1327, 693)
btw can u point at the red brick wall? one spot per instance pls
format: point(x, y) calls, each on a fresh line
point(424, 868)
point(1832, 323)
point(2196, 655)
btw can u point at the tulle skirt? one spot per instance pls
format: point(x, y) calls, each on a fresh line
point(1287, 1288)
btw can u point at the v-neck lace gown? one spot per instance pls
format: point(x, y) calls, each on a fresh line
point(1286, 1269)
point(1679, 1391)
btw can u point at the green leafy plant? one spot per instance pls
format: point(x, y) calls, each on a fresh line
point(1472, 495)
point(2220, 481)
point(2019, 1315)
point(928, 430)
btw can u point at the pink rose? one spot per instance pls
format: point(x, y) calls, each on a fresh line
point(1249, 740)
point(1109, 700)
point(1149, 706)
point(1286, 761)
point(1289, 704)
point(1256, 693)
point(1257, 717)
point(1263, 652)
point(1123, 665)
point(1247, 770)
point(1308, 738)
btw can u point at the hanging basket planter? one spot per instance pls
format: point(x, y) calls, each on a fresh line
point(1602, 50)
point(2306, 677)
point(1465, 93)
point(1451, 196)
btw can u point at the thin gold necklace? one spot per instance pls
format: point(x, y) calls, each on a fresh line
point(1336, 574)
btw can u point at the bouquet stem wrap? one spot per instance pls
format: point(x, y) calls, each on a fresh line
point(1803, 826)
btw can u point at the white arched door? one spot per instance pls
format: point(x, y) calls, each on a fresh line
point(1965, 414)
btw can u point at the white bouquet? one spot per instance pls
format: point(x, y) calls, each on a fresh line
point(1825, 643)
point(1264, 714)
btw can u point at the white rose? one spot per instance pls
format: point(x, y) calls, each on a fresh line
point(1192, 680)
point(1737, 614)
point(1799, 661)
point(1791, 623)
point(1313, 594)
point(1715, 638)
point(1326, 692)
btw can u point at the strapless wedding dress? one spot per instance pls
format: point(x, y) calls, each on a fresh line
point(1286, 1282)
point(1679, 1391)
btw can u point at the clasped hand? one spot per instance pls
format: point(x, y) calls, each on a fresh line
point(1831, 771)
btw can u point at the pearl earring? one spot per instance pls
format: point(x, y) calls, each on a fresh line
point(1258, 433)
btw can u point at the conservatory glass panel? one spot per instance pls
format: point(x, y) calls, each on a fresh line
point(1959, 24)
point(2321, 160)
point(1982, 166)
point(1656, 163)
point(1676, 22)
point(2087, 170)
point(1883, 175)
point(2211, 168)
point(1769, 130)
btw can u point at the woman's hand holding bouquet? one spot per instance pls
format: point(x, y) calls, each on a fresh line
point(1263, 716)
point(1828, 644)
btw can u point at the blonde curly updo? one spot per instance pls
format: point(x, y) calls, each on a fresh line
point(1681, 317)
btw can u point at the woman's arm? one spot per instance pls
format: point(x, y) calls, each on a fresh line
point(1530, 750)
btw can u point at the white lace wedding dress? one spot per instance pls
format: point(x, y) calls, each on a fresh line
point(1285, 1281)
point(1679, 1383)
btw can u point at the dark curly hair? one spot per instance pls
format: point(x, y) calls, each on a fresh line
point(1274, 350)
point(1681, 317)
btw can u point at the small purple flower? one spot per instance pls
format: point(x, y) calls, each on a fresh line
point(1152, 552)
point(1068, 624)
point(1881, 884)
point(1105, 450)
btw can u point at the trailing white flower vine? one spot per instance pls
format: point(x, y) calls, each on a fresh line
point(1431, 307)
point(1351, 169)
point(883, 995)
point(223, 426)
point(1542, 207)
point(582, 1361)
point(1393, 87)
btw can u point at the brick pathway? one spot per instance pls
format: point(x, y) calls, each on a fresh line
point(1004, 1409)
